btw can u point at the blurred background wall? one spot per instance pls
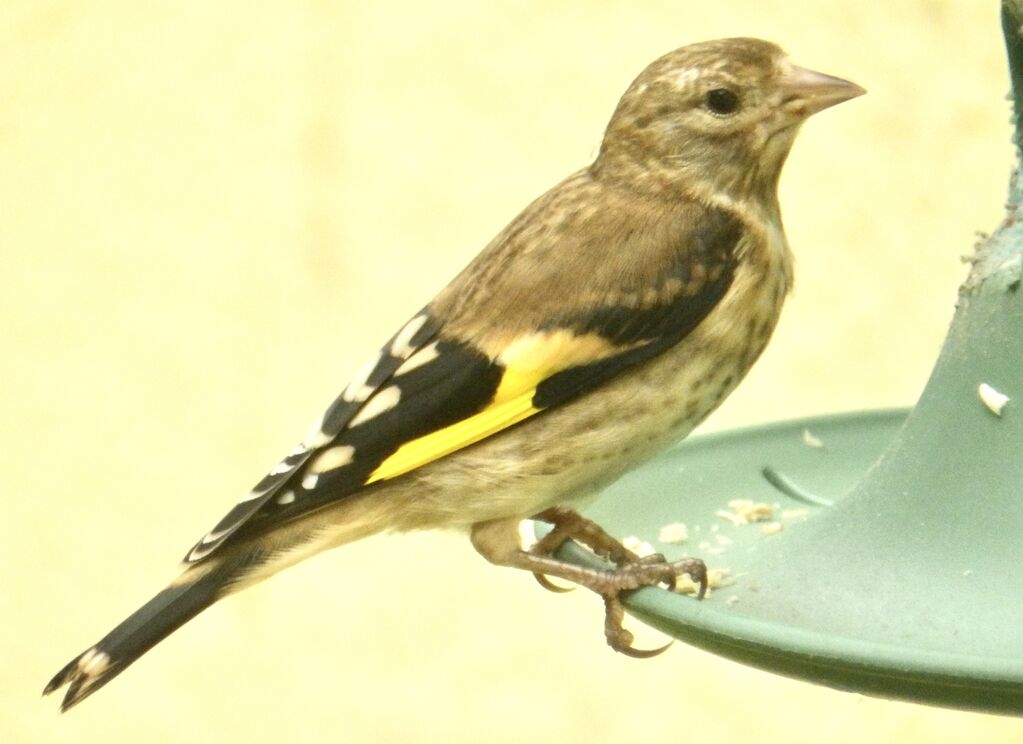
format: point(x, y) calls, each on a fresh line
point(210, 213)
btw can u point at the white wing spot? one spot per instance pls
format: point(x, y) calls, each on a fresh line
point(335, 457)
point(315, 438)
point(214, 536)
point(424, 356)
point(286, 498)
point(250, 496)
point(309, 482)
point(300, 449)
point(382, 402)
point(357, 390)
point(197, 553)
point(401, 347)
point(281, 467)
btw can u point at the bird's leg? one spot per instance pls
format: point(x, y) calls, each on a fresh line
point(497, 541)
point(570, 525)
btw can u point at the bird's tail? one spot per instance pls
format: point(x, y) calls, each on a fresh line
point(189, 595)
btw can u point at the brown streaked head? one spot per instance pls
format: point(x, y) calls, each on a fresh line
point(721, 112)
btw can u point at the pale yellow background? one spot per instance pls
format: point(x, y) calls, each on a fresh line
point(211, 212)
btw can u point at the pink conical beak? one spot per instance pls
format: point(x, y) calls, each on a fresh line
point(805, 92)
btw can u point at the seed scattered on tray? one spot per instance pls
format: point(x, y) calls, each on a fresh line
point(994, 400)
point(676, 532)
point(716, 578)
point(810, 440)
point(640, 547)
point(744, 511)
point(707, 547)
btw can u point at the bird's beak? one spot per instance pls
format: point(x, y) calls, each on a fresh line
point(805, 92)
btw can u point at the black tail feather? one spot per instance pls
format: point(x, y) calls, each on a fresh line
point(147, 626)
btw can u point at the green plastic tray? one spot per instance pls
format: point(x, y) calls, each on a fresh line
point(873, 595)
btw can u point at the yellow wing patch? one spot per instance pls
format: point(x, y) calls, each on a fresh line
point(528, 361)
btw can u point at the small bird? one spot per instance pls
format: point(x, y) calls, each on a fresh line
point(600, 326)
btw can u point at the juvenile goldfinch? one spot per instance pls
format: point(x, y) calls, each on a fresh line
point(603, 324)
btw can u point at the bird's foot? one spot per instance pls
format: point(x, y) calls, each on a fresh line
point(631, 572)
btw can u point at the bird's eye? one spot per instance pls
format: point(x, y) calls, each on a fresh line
point(722, 101)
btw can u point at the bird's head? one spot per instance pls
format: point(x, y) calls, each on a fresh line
point(719, 114)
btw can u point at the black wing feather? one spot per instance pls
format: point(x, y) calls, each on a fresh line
point(460, 382)
point(334, 420)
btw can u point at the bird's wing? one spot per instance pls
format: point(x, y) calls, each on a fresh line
point(447, 380)
point(413, 336)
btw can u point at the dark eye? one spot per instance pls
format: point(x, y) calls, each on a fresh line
point(722, 101)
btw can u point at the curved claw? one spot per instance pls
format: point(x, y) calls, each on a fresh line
point(698, 573)
point(696, 570)
point(550, 585)
point(643, 653)
point(620, 639)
